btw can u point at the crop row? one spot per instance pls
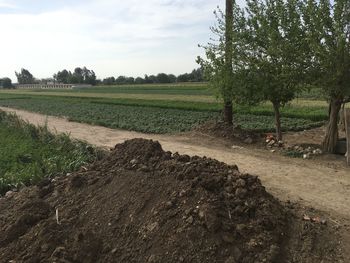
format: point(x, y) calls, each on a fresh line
point(145, 118)
point(302, 109)
point(201, 89)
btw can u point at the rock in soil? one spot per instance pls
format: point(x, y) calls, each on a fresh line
point(142, 204)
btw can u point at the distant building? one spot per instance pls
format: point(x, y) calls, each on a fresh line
point(51, 85)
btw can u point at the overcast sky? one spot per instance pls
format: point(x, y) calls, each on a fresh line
point(113, 37)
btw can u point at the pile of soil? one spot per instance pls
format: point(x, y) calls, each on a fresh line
point(220, 129)
point(142, 204)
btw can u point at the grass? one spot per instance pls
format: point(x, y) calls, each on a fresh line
point(29, 153)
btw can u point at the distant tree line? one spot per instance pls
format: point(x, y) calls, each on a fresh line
point(87, 76)
point(6, 83)
point(195, 76)
point(78, 76)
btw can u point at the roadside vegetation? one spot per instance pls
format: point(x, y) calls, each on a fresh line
point(29, 153)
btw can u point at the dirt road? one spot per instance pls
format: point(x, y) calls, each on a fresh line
point(307, 182)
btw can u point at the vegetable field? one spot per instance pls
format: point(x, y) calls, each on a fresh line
point(134, 108)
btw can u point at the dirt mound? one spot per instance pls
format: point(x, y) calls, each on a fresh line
point(141, 204)
point(221, 130)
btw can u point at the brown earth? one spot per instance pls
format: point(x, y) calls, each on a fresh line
point(322, 184)
point(142, 204)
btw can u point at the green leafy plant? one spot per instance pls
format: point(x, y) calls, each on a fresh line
point(29, 153)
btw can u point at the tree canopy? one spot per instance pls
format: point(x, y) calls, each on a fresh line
point(25, 77)
point(223, 64)
point(195, 76)
point(275, 52)
point(327, 27)
point(79, 76)
point(275, 48)
point(6, 83)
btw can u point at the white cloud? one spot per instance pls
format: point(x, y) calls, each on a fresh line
point(7, 4)
point(112, 37)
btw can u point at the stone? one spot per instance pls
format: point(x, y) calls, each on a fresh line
point(248, 140)
point(152, 226)
point(189, 220)
point(169, 204)
point(236, 147)
point(229, 189)
point(211, 220)
point(152, 258)
point(240, 228)
point(228, 237)
point(144, 168)
point(241, 183)
point(201, 214)
point(271, 143)
point(240, 192)
point(9, 194)
point(188, 211)
point(133, 161)
point(306, 156)
point(45, 248)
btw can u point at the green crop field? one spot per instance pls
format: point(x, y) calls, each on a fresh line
point(167, 89)
point(28, 153)
point(161, 108)
point(161, 117)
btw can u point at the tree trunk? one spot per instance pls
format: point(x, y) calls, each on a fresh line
point(228, 115)
point(228, 35)
point(342, 126)
point(276, 108)
point(331, 137)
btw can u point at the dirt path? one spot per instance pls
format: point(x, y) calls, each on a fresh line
point(308, 182)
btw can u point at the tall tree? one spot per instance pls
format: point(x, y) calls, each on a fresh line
point(228, 115)
point(223, 66)
point(89, 76)
point(275, 52)
point(6, 83)
point(78, 75)
point(25, 77)
point(62, 76)
point(328, 32)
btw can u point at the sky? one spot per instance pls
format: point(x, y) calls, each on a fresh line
point(112, 37)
